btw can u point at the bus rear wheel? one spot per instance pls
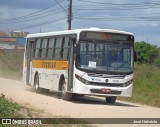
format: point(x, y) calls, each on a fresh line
point(66, 96)
point(36, 85)
point(111, 100)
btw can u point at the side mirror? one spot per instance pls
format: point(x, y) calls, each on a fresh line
point(135, 56)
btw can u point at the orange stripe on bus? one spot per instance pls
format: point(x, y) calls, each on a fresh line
point(50, 64)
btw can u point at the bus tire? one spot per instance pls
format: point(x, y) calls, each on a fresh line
point(36, 85)
point(65, 96)
point(111, 100)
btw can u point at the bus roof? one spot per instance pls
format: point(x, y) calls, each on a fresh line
point(76, 31)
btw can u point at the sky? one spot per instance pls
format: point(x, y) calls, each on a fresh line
point(140, 17)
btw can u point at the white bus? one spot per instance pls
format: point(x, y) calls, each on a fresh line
point(92, 61)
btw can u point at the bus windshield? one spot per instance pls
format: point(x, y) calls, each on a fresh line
point(105, 56)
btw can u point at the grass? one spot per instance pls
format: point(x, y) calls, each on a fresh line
point(146, 88)
point(10, 109)
point(7, 108)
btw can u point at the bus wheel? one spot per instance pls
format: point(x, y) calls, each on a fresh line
point(66, 96)
point(36, 85)
point(111, 100)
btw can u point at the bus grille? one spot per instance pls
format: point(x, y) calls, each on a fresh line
point(106, 84)
point(106, 76)
point(99, 91)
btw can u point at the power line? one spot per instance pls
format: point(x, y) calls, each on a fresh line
point(32, 13)
point(149, 15)
point(94, 5)
point(103, 6)
point(41, 23)
point(142, 3)
point(106, 6)
point(34, 16)
point(119, 18)
point(115, 8)
point(30, 19)
point(61, 6)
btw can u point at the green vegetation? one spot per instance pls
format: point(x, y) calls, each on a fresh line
point(7, 108)
point(146, 85)
point(147, 75)
point(147, 53)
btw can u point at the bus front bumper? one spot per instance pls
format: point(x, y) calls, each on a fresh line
point(81, 88)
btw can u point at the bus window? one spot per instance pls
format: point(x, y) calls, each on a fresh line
point(50, 48)
point(62, 48)
point(38, 46)
point(58, 48)
point(65, 51)
point(83, 54)
point(44, 48)
point(34, 49)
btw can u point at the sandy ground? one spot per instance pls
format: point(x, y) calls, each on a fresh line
point(87, 107)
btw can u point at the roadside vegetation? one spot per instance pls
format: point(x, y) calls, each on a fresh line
point(146, 88)
point(146, 85)
point(10, 109)
point(7, 108)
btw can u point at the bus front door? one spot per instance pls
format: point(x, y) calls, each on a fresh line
point(28, 61)
point(71, 65)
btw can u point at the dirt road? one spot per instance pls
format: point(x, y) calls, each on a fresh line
point(87, 107)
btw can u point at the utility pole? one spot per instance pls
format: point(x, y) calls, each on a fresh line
point(69, 14)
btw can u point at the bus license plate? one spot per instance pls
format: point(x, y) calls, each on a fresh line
point(106, 90)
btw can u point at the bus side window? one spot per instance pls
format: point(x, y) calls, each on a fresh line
point(44, 48)
point(58, 48)
point(38, 46)
point(29, 48)
point(33, 49)
point(50, 48)
point(65, 51)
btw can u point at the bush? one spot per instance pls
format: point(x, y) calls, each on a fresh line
point(146, 53)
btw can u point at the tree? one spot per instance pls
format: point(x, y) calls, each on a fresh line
point(146, 53)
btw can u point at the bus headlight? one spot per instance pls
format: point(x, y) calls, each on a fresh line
point(127, 83)
point(82, 79)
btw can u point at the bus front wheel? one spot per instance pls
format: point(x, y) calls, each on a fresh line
point(36, 85)
point(111, 100)
point(66, 96)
